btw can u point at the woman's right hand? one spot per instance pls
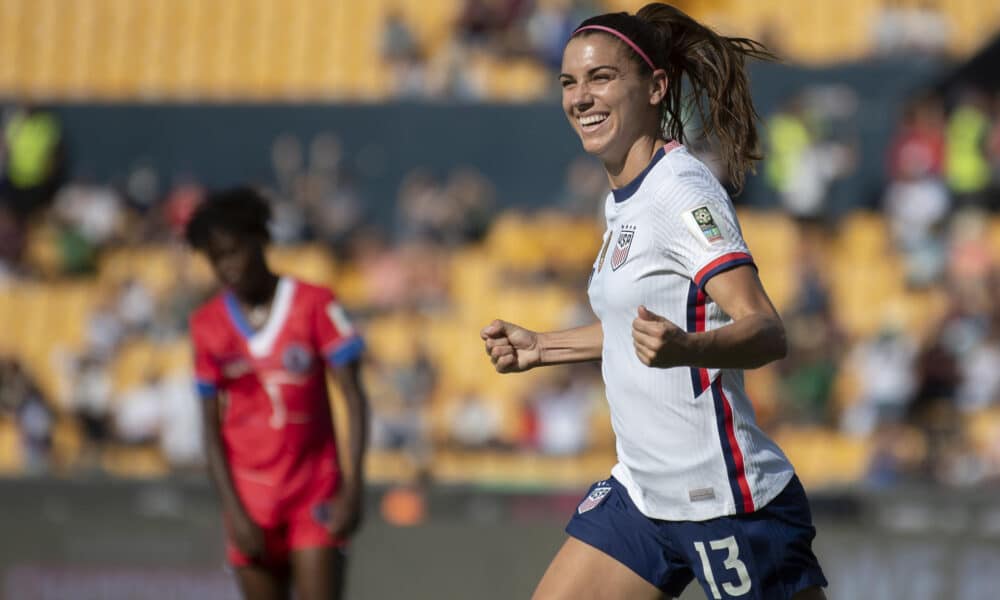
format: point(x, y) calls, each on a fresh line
point(248, 536)
point(511, 348)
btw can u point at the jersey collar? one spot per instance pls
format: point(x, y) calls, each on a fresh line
point(629, 189)
point(260, 342)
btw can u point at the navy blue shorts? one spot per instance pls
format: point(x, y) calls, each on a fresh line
point(764, 555)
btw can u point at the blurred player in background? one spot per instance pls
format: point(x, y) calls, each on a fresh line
point(262, 347)
point(699, 490)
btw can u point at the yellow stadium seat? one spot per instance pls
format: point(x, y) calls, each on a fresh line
point(67, 441)
point(389, 466)
point(312, 263)
point(133, 362)
point(822, 457)
point(268, 49)
point(10, 446)
point(143, 462)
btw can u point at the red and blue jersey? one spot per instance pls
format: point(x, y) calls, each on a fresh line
point(273, 380)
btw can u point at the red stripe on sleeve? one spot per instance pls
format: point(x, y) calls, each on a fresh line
point(719, 262)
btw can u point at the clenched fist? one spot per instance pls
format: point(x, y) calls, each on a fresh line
point(658, 342)
point(511, 348)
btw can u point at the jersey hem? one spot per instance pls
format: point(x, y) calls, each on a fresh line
point(728, 509)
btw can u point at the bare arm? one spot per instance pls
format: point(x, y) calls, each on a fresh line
point(245, 532)
point(513, 349)
point(579, 344)
point(346, 513)
point(754, 338)
point(348, 378)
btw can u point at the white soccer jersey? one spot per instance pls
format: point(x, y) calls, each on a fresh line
point(689, 448)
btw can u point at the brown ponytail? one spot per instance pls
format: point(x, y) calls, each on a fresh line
point(715, 69)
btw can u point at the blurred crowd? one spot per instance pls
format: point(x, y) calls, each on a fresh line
point(925, 396)
point(925, 401)
point(514, 47)
point(58, 228)
point(488, 35)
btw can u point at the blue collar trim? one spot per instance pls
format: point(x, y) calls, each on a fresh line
point(236, 315)
point(624, 193)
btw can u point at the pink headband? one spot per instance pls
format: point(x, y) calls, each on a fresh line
point(622, 37)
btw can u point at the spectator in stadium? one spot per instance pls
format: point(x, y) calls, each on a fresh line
point(104, 331)
point(95, 212)
point(884, 367)
point(808, 374)
point(35, 418)
point(917, 202)
point(13, 238)
point(263, 345)
point(90, 402)
point(474, 422)
point(136, 307)
point(560, 411)
point(34, 159)
point(335, 210)
point(966, 166)
point(404, 57)
point(788, 140)
point(694, 495)
point(181, 435)
point(137, 416)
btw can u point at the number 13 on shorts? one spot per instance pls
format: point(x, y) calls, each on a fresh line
point(728, 551)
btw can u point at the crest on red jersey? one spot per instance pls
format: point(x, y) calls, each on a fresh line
point(296, 359)
point(622, 246)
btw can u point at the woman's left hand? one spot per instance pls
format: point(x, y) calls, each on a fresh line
point(345, 512)
point(658, 342)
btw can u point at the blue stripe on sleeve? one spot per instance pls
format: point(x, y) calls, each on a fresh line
point(736, 262)
point(347, 351)
point(206, 390)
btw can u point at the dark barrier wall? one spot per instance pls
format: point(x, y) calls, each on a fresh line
point(524, 149)
point(113, 540)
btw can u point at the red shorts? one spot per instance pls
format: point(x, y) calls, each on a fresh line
point(293, 514)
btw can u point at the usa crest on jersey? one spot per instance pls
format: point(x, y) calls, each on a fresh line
point(622, 246)
point(594, 498)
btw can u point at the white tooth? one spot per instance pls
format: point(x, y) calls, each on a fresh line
point(592, 119)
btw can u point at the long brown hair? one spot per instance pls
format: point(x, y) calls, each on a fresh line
point(715, 67)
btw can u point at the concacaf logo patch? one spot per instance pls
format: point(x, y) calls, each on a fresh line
point(702, 225)
point(622, 246)
point(703, 217)
point(593, 499)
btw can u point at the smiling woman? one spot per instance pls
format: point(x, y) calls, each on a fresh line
point(609, 48)
point(699, 491)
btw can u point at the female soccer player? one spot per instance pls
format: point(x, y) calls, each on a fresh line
point(699, 491)
point(261, 350)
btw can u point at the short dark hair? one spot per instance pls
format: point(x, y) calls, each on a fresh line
point(242, 211)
